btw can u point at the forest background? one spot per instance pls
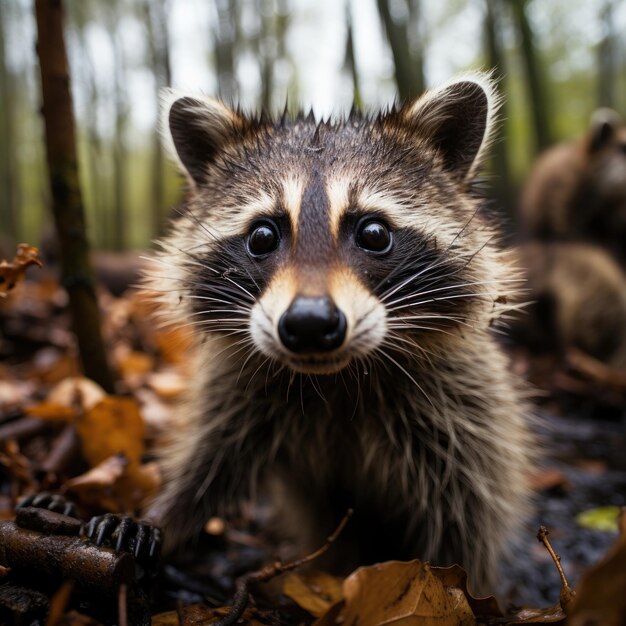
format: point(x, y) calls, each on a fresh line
point(557, 62)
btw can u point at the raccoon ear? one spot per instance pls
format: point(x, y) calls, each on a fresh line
point(604, 123)
point(457, 118)
point(196, 129)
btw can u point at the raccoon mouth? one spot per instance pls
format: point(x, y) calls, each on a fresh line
point(317, 365)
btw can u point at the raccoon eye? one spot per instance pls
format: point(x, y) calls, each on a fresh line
point(263, 239)
point(374, 236)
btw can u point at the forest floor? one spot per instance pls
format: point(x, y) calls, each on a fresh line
point(60, 433)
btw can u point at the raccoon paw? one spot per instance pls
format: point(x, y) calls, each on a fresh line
point(52, 502)
point(125, 534)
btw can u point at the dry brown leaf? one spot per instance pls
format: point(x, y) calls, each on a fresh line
point(137, 485)
point(77, 391)
point(117, 484)
point(12, 272)
point(52, 366)
point(201, 615)
point(52, 412)
point(402, 594)
point(313, 591)
point(74, 618)
point(134, 364)
point(112, 426)
point(105, 474)
point(167, 385)
point(456, 576)
point(601, 595)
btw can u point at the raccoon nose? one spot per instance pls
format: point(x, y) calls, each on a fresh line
point(312, 325)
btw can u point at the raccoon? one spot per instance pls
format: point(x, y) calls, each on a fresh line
point(342, 282)
point(578, 295)
point(577, 189)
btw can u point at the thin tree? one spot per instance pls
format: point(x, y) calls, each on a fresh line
point(120, 98)
point(503, 184)
point(67, 203)
point(535, 80)
point(9, 189)
point(79, 14)
point(350, 59)
point(225, 43)
point(156, 19)
point(406, 73)
point(607, 56)
point(416, 40)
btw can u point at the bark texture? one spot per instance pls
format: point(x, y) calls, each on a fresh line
point(67, 203)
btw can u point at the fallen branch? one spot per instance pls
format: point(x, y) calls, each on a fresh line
point(567, 593)
point(265, 574)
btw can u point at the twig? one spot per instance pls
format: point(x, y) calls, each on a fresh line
point(596, 370)
point(567, 593)
point(122, 606)
point(242, 593)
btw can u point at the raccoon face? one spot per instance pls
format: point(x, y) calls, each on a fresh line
point(321, 244)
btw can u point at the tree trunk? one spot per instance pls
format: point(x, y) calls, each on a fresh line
point(9, 183)
point(397, 34)
point(268, 49)
point(607, 76)
point(534, 78)
point(67, 204)
point(225, 42)
point(503, 185)
point(350, 60)
point(156, 18)
point(417, 49)
point(119, 143)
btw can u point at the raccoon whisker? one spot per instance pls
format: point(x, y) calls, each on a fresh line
point(244, 366)
point(406, 263)
point(433, 329)
point(219, 300)
point(194, 218)
point(407, 373)
point(450, 318)
point(413, 277)
point(314, 384)
point(222, 311)
point(256, 371)
point(459, 285)
point(393, 338)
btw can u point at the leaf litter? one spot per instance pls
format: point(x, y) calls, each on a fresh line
point(62, 433)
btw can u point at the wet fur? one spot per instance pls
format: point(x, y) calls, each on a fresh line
point(424, 432)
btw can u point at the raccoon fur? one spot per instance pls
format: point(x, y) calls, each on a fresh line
point(342, 284)
point(578, 296)
point(577, 189)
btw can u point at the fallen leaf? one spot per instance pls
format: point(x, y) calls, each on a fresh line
point(104, 474)
point(551, 615)
point(77, 391)
point(402, 594)
point(112, 426)
point(601, 598)
point(456, 576)
point(603, 518)
point(52, 412)
point(313, 591)
point(167, 385)
point(201, 615)
point(12, 272)
point(117, 484)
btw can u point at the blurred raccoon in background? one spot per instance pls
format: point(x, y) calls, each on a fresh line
point(578, 295)
point(573, 211)
point(577, 189)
